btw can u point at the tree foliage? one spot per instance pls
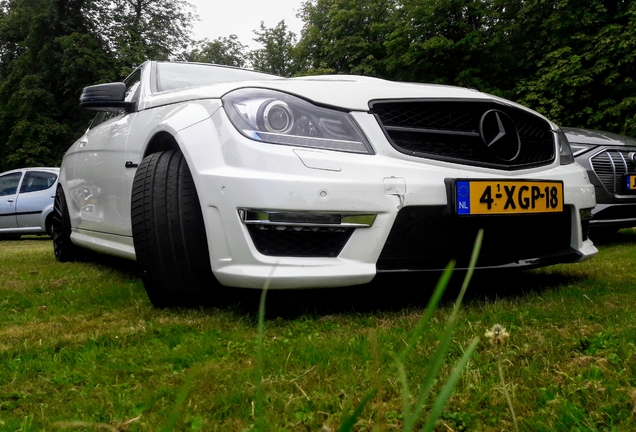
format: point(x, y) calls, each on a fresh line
point(138, 30)
point(572, 60)
point(227, 51)
point(46, 54)
point(347, 36)
point(51, 49)
point(277, 53)
point(582, 62)
point(457, 42)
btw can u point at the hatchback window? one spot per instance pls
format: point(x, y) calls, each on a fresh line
point(9, 183)
point(37, 181)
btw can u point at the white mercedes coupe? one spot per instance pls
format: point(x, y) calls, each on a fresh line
point(214, 176)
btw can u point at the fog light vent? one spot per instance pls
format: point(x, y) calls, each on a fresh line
point(296, 241)
point(302, 234)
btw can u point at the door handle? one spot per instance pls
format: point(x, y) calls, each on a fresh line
point(10, 200)
point(83, 142)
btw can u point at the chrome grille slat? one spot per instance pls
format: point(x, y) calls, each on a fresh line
point(610, 166)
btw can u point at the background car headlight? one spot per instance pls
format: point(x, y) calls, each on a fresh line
point(579, 149)
point(278, 118)
point(565, 151)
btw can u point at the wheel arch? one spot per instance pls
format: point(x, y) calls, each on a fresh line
point(166, 140)
point(161, 141)
point(165, 135)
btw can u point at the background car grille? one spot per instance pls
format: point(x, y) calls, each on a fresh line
point(424, 238)
point(610, 165)
point(299, 241)
point(449, 130)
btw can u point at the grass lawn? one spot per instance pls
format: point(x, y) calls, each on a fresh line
point(81, 348)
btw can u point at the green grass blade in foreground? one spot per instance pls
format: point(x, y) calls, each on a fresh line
point(178, 406)
point(448, 388)
point(415, 337)
point(406, 392)
point(430, 309)
point(445, 341)
point(508, 400)
point(350, 422)
point(260, 364)
point(471, 268)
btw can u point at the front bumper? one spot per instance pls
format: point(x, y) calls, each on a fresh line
point(234, 174)
point(621, 215)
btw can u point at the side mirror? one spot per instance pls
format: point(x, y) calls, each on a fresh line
point(105, 97)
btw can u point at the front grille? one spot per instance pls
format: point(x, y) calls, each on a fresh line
point(610, 166)
point(299, 241)
point(449, 130)
point(426, 237)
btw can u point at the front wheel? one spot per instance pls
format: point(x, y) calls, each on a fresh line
point(169, 233)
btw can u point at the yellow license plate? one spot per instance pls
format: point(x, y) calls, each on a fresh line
point(480, 197)
point(630, 182)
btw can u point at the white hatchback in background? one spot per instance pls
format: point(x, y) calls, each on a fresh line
point(26, 201)
point(209, 175)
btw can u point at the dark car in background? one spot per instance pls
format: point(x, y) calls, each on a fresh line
point(610, 160)
point(26, 201)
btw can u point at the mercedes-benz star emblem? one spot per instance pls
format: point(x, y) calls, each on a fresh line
point(500, 135)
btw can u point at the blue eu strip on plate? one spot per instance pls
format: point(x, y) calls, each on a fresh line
point(462, 197)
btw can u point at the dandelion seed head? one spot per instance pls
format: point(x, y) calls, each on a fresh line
point(497, 334)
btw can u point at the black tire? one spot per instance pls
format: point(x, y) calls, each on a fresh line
point(169, 234)
point(63, 247)
point(10, 237)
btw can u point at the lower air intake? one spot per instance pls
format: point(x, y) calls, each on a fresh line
point(426, 238)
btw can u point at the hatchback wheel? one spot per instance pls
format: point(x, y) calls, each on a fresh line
point(48, 225)
point(169, 234)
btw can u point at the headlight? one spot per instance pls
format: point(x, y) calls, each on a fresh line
point(565, 152)
point(278, 118)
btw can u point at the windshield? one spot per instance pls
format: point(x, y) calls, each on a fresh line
point(172, 76)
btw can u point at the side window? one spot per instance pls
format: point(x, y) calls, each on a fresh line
point(132, 92)
point(99, 118)
point(132, 86)
point(37, 181)
point(9, 183)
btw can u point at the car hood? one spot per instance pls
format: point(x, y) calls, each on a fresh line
point(595, 137)
point(342, 91)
